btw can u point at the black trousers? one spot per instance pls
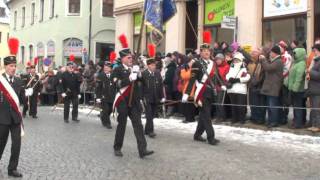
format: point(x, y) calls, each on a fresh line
point(75, 103)
point(220, 109)
point(106, 112)
point(15, 130)
point(204, 123)
point(189, 111)
point(135, 115)
point(33, 104)
point(151, 110)
point(238, 112)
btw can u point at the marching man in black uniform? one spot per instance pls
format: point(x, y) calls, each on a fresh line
point(152, 91)
point(32, 88)
point(25, 79)
point(70, 85)
point(201, 75)
point(11, 118)
point(105, 92)
point(124, 76)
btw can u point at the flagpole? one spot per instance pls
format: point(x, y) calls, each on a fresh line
point(137, 54)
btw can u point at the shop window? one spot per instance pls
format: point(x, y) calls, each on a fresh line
point(220, 35)
point(288, 29)
point(107, 8)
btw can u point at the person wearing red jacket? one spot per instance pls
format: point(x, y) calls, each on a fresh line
point(220, 82)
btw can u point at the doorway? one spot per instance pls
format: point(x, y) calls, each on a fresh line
point(316, 19)
point(103, 51)
point(191, 25)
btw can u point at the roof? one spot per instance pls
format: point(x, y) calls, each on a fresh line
point(6, 18)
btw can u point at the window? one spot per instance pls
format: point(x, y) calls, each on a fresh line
point(33, 7)
point(22, 54)
point(52, 8)
point(15, 20)
point(288, 29)
point(107, 8)
point(74, 7)
point(0, 37)
point(7, 36)
point(41, 10)
point(23, 16)
point(31, 52)
point(3, 12)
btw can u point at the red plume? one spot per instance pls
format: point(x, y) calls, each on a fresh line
point(35, 61)
point(123, 40)
point(71, 58)
point(29, 63)
point(151, 50)
point(13, 44)
point(207, 37)
point(112, 56)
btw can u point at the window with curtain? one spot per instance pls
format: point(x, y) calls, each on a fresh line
point(23, 21)
point(74, 7)
point(33, 6)
point(41, 10)
point(52, 8)
point(107, 8)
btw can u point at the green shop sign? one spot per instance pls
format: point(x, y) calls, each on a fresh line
point(216, 9)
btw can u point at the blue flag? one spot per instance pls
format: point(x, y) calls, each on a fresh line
point(157, 13)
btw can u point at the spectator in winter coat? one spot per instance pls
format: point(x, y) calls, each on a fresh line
point(313, 91)
point(220, 81)
point(237, 88)
point(285, 96)
point(188, 109)
point(295, 83)
point(272, 84)
point(258, 114)
point(169, 84)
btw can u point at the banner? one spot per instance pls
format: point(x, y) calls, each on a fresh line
point(284, 7)
point(216, 9)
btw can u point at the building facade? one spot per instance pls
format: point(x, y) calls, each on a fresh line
point(51, 30)
point(4, 31)
point(259, 22)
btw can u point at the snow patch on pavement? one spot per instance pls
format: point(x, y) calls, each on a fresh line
point(254, 137)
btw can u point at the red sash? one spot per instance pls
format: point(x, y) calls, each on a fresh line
point(201, 86)
point(124, 92)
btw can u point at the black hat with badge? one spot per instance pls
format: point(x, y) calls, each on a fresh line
point(13, 45)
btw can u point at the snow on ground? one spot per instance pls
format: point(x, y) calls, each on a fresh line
point(254, 137)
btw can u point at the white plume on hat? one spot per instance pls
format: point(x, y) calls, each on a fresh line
point(238, 56)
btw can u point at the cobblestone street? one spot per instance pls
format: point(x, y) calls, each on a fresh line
point(52, 149)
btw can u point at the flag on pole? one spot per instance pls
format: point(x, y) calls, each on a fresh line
point(157, 13)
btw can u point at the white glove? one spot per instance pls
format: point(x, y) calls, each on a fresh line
point(98, 101)
point(163, 100)
point(185, 98)
point(133, 76)
point(64, 95)
point(135, 68)
point(79, 96)
point(29, 92)
point(224, 88)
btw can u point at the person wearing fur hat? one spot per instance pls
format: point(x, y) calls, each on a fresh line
point(127, 101)
point(105, 92)
point(238, 78)
point(203, 71)
point(152, 91)
point(11, 91)
point(272, 84)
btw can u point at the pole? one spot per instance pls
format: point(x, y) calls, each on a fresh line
point(90, 29)
point(137, 55)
